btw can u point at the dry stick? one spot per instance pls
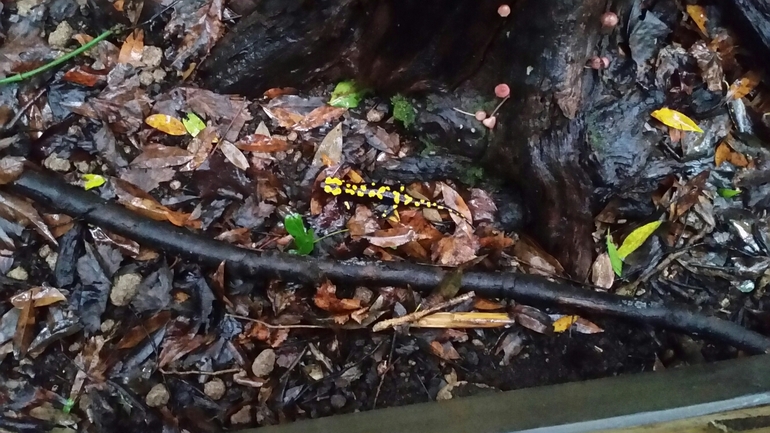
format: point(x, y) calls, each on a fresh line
point(201, 372)
point(417, 315)
point(61, 197)
point(271, 326)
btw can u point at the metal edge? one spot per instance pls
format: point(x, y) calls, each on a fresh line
point(616, 402)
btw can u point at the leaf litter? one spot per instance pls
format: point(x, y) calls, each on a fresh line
point(240, 168)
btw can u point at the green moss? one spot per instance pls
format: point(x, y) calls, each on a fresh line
point(472, 176)
point(403, 110)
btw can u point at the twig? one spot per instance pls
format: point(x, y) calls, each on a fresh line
point(24, 75)
point(205, 373)
point(389, 367)
point(270, 325)
point(417, 315)
point(23, 109)
point(91, 208)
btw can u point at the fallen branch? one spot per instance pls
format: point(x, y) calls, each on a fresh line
point(417, 315)
point(89, 207)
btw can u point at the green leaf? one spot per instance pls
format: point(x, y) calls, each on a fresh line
point(728, 193)
point(346, 94)
point(93, 181)
point(612, 251)
point(193, 124)
point(303, 238)
point(403, 110)
point(68, 405)
point(637, 238)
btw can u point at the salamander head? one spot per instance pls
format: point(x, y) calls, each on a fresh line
point(332, 185)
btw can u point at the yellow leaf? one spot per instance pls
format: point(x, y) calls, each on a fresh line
point(698, 15)
point(637, 238)
point(165, 123)
point(675, 120)
point(93, 181)
point(564, 323)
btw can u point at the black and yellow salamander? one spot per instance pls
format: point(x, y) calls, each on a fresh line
point(393, 197)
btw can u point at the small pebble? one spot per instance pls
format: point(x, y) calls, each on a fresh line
point(338, 401)
point(18, 273)
point(158, 75)
point(152, 56)
point(243, 416)
point(146, 78)
point(107, 326)
point(53, 162)
point(157, 397)
point(51, 259)
point(264, 363)
point(124, 289)
point(215, 388)
point(61, 36)
point(44, 251)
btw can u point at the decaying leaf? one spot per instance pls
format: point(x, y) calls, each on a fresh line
point(744, 85)
point(698, 15)
point(16, 209)
point(40, 296)
point(326, 299)
point(160, 156)
point(11, 168)
point(131, 51)
point(143, 203)
point(261, 143)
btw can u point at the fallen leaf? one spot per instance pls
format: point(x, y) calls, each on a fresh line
point(137, 200)
point(141, 332)
point(201, 36)
point(744, 85)
point(690, 193)
point(724, 153)
point(636, 238)
point(234, 155)
point(193, 124)
point(444, 350)
point(40, 296)
point(261, 143)
point(159, 156)
point(330, 148)
point(85, 76)
point(25, 329)
point(200, 147)
point(675, 119)
point(698, 15)
point(319, 117)
point(453, 200)
point(563, 323)
point(575, 323)
point(165, 123)
point(326, 299)
point(11, 168)
point(175, 347)
point(532, 318)
point(17, 209)
point(278, 91)
point(602, 272)
point(131, 51)
point(93, 181)
point(392, 238)
point(511, 345)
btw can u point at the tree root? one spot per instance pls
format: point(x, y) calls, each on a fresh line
point(57, 195)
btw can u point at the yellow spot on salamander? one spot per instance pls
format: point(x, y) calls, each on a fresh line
point(372, 193)
point(363, 187)
point(407, 199)
point(333, 181)
point(360, 193)
point(396, 198)
point(349, 191)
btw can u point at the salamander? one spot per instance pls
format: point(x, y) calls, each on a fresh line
point(393, 197)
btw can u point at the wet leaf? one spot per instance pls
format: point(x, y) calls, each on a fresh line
point(25, 328)
point(319, 117)
point(131, 51)
point(160, 156)
point(511, 345)
point(93, 181)
point(453, 200)
point(85, 76)
point(691, 192)
point(143, 203)
point(675, 119)
point(698, 15)
point(278, 91)
point(40, 296)
point(175, 347)
point(304, 239)
point(261, 143)
point(193, 124)
point(392, 238)
point(234, 155)
point(728, 193)
point(636, 238)
point(330, 148)
point(123, 105)
point(576, 324)
point(327, 300)
point(602, 272)
point(444, 350)
point(139, 333)
point(199, 38)
point(200, 147)
point(14, 208)
point(564, 323)
point(532, 318)
point(724, 153)
point(612, 252)
point(346, 94)
point(744, 85)
point(165, 123)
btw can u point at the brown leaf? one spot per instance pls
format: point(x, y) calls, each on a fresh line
point(319, 117)
point(710, 65)
point(160, 156)
point(452, 199)
point(329, 152)
point(261, 143)
point(218, 285)
point(278, 91)
point(14, 208)
point(444, 351)
point(40, 296)
point(139, 201)
point(482, 205)
point(744, 85)
point(123, 105)
point(200, 147)
point(392, 238)
point(11, 168)
point(455, 250)
point(690, 193)
point(86, 76)
point(534, 319)
point(497, 242)
point(326, 299)
point(234, 155)
point(175, 347)
point(25, 327)
point(131, 51)
point(362, 223)
point(535, 259)
point(511, 345)
point(486, 304)
point(139, 333)
point(725, 153)
point(602, 274)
